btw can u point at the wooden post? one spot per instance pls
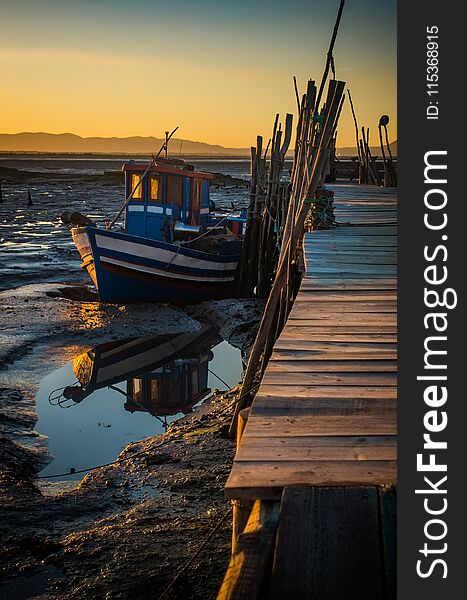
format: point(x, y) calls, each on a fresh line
point(386, 172)
point(356, 127)
point(305, 188)
point(242, 421)
point(247, 242)
point(247, 571)
point(330, 59)
point(240, 508)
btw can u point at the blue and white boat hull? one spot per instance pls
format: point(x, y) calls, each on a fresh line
point(126, 268)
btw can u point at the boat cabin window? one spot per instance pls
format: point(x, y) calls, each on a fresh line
point(137, 391)
point(155, 389)
point(174, 190)
point(155, 188)
point(135, 180)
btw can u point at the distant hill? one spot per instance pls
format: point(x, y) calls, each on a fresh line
point(375, 150)
point(70, 143)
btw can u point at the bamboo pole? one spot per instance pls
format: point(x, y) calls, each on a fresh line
point(294, 230)
point(330, 58)
point(356, 126)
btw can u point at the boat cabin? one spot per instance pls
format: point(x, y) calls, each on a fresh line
point(171, 201)
point(173, 388)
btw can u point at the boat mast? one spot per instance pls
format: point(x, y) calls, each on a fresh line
point(152, 161)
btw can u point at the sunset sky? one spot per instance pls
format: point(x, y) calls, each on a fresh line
point(220, 70)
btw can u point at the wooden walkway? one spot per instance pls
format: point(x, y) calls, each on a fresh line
point(325, 414)
point(317, 459)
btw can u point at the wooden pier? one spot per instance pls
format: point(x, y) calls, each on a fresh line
point(317, 457)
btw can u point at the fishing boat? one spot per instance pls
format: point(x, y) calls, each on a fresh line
point(173, 246)
point(162, 374)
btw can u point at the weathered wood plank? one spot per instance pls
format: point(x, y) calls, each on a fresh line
point(345, 296)
point(312, 424)
point(354, 307)
point(328, 545)
point(307, 363)
point(351, 284)
point(343, 328)
point(249, 480)
point(350, 404)
point(338, 353)
point(326, 391)
point(281, 449)
point(314, 334)
point(348, 380)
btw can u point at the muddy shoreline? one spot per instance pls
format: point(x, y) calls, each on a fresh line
point(126, 529)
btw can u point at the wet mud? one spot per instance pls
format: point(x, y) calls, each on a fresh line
point(128, 528)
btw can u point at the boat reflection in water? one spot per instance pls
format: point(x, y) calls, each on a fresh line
point(162, 374)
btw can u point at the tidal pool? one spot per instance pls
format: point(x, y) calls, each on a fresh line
point(125, 390)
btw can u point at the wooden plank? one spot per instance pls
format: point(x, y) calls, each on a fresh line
point(349, 380)
point(316, 424)
point(328, 545)
point(248, 480)
point(345, 296)
point(337, 353)
point(311, 346)
point(348, 271)
point(305, 325)
point(325, 391)
point(342, 232)
point(246, 574)
point(347, 366)
point(350, 306)
point(301, 334)
point(313, 448)
point(375, 240)
point(344, 405)
point(333, 284)
point(347, 318)
point(354, 258)
point(351, 284)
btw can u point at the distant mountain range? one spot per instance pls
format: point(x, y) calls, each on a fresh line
point(375, 150)
point(71, 143)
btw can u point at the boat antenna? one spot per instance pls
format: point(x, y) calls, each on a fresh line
point(166, 143)
point(152, 161)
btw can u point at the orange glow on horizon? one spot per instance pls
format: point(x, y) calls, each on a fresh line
point(220, 86)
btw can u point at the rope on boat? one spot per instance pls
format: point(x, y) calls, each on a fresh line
point(208, 231)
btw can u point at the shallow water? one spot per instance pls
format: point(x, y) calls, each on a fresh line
point(121, 395)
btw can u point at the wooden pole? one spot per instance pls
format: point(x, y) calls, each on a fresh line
point(293, 232)
point(296, 93)
point(386, 171)
point(330, 59)
point(246, 573)
point(356, 126)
